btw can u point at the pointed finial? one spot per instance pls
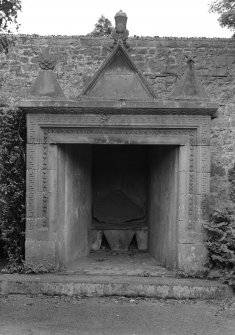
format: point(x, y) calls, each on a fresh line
point(190, 61)
point(189, 87)
point(46, 60)
point(120, 33)
point(46, 85)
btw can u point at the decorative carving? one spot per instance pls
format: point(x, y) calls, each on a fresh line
point(104, 118)
point(34, 156)
point(46, 85)
point(46, 60)
point(44, 177)
point(190, 61)
point(190, 133)
point(198, 123)
point(203, 158)
point(191, 212)
point(43, 129)
point(120, 33)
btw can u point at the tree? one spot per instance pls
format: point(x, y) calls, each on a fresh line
point(226, 10)
point(103, 27)
point(8, 15)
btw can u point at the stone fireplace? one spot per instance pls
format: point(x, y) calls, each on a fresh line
point(117, 166)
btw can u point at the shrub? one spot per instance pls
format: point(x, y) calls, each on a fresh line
point(12, 183)
point(221, 245)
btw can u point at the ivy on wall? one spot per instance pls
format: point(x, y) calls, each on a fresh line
point(12, 183)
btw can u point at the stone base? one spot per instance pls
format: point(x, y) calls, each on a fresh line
point(191, 257)
point(158, 287)
point(40, 252)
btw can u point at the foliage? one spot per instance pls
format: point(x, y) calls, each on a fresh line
point(8, 14)
point(12, 182)
point(221, 246)
point(226, 10)
point(30, 268)
point(103, 27)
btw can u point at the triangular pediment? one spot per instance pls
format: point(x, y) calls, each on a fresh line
point(118, 79)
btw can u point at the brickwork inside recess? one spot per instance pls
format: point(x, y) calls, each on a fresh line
point(162, 62)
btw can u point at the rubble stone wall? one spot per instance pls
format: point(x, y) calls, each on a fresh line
point(162, 60)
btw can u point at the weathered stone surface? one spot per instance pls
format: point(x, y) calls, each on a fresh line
point(191, 257)
point(95, 239)
point(119, 78)
point(73, 285)
point(189, 86)
point(142, 239)
point(171, 133)
point(119, 239)
point(162, 61)
point(41, 252)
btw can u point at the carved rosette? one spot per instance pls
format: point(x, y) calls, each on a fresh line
point(46, 60)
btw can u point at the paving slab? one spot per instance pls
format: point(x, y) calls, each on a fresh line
point(118, 264)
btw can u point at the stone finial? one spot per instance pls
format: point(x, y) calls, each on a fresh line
point(46, 85)
point(189, 87)
point(190, 61)
point(120, 33)
point(46, 60)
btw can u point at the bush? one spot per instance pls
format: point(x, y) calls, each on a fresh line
point(221, 246)
point(12, 183)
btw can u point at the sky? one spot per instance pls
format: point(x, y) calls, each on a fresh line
point(178, 18)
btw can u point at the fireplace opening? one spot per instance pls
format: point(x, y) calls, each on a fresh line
point(117, 198)
point(119, 195)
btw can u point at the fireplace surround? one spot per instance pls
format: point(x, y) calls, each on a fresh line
point(119, 163)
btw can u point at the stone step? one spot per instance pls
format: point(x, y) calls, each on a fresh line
point(74, 285)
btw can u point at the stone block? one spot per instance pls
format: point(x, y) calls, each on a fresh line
point(197, 183)
point(186, 235)
point(202, 207)
point(52, 157)
point(34, 223)
point(191, 257)
point(183, 158)
point(52, 180)
point(183, 203)
point(203, 158)
point(40, 252)
point(34, 204)
point(203, 132)
point(95, 239)
point(142, 239)
point(41, 234)
point(119, 240)
point(34, 180)
point(34, 156)
point(203, 183)
point(184, 179)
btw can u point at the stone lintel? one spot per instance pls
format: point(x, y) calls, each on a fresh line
point(122, 106)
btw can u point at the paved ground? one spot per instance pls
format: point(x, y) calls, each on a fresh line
point(115, 315)
point(130, 263)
